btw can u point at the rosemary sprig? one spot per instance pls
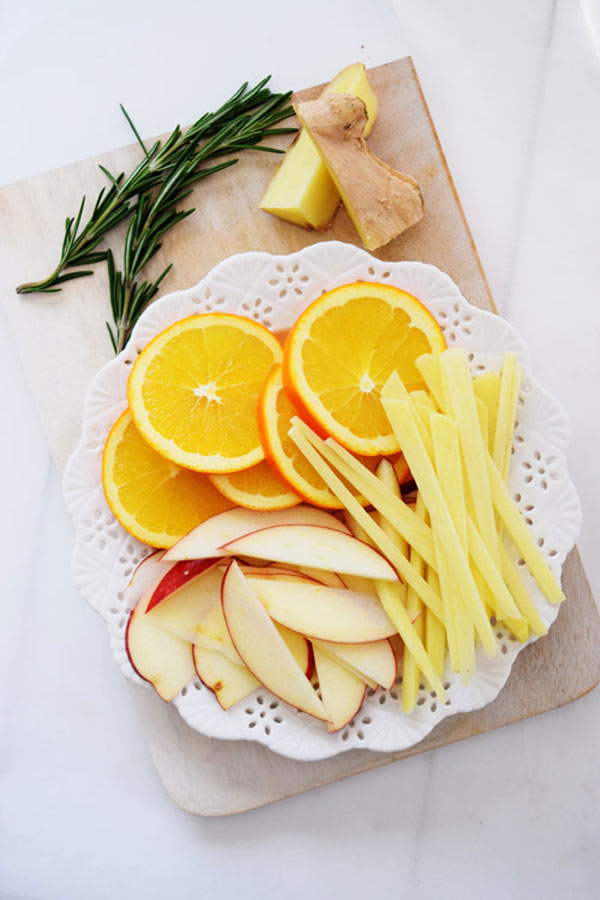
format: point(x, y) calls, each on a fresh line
point(156, 211)
point(241, 123)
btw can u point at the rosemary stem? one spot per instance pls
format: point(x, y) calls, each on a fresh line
point(31, 287)
point(122, 330)
point(150, 198)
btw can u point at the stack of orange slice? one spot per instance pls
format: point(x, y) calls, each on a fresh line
point(212, 396)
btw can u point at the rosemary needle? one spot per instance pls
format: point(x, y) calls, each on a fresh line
point(149, 197)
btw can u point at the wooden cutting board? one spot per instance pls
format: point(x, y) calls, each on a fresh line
point(62, 342)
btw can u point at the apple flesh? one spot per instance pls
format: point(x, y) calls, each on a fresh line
point(342, 692)
point(375, 661)
point(229, 682)
point(317, 611)
point(276, 572)
point(315, 546)
point(193, 613)
point(204, 540)
point(262, 647)
point(178, 575)
point(332, 579)
point(156, 655)
point(181, 611)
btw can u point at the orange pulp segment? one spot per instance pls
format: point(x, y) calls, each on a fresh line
point(155, 500)
point(193, 391)
point(259, 487)
point(342, 350)
point(275, 412)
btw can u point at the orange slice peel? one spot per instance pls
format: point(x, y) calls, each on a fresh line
point(342, 350)
point(259, 487)
point(153, 499)
point(193, 391)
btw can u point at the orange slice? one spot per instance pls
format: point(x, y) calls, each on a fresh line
point(153, 499)
point(256, 488)
point(193, 391)
point(275, 411)
point(342, 350)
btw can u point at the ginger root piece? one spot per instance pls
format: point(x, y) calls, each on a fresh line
point(381, 202)
point(301, 190)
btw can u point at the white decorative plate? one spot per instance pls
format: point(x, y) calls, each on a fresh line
point(274, 290)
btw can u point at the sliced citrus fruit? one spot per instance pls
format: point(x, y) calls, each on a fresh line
point(193, 391)
point(340, 353)
point(258, 487)
point(155, 500)
point(275, 412)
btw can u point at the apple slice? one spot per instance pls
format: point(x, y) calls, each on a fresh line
point(314, 546)
point(299, 648)
point(342, 692)
point(178, 575)
point(318, 611)
point(229, 682)
point(204, 540)
point(212, 634)
point(158, 657)
point(261, 646)
point(275, 572)
point(145, 576)
point(332, 579)
point(181, 611)
point(375, 660)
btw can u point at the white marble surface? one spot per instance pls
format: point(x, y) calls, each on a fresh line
point(514, 89)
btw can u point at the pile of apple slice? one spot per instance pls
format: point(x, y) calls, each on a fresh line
point(264, 598)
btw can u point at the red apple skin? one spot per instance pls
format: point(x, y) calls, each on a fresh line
point(129, 656)
point(311, 655)
point(229, 544)
point(139, 612)
point(179, 574)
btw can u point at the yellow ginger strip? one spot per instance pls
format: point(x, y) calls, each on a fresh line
point(507, 411)
point(429, 367)
point(424, 398)
point(484, 421)
point(521, 535)
point(454, 368)
point(398, 616)
point(393, 604)
point(490, 571)
point(387, 476)
point(447, 587)
point(448, 465)
point(504, 391)
point(435, 631)
point(405, 428)
point(487, 389)
point(508, 397)
point(482, 415)
point(396, 511)
point(411, 673)
point(502, 599)
point(375, 533)
point(521, 594)
point(447, 593)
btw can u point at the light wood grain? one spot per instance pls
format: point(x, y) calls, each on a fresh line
point(62, 342)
